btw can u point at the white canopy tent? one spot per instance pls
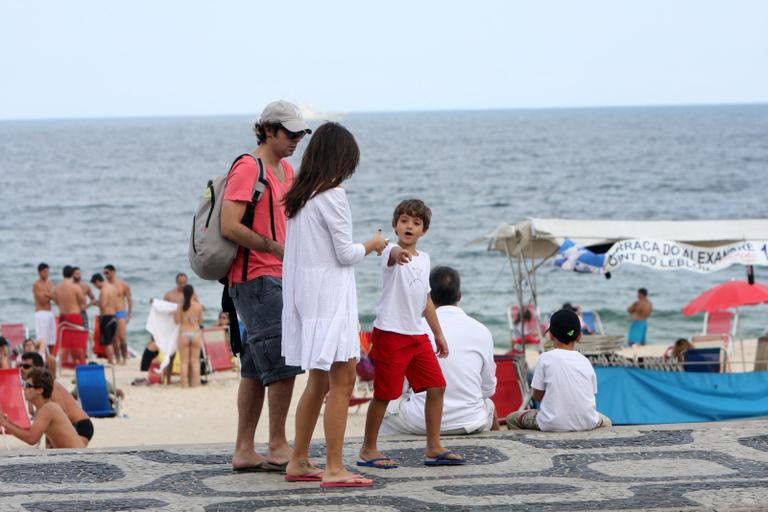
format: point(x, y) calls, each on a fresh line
point(531, 242)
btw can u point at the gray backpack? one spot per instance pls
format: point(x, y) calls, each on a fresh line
point(210, 254)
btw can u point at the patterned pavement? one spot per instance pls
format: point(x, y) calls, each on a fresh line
point(714, 466)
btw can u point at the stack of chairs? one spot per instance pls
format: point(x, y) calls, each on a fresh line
point(71, 345)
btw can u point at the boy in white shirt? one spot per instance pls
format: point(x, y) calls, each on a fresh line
point(564, 382)
point(401, 348)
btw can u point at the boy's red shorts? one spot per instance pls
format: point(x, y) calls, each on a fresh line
point(397, 356)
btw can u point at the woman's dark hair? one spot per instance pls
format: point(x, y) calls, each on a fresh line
point(331, 157)
point(445, 285)
point(188, 291)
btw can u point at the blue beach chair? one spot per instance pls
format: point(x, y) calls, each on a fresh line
point(703, 360)
point(93, 392)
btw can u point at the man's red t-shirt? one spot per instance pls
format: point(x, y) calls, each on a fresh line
point(240, 188)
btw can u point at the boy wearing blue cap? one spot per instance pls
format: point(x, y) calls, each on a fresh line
point(564, 382)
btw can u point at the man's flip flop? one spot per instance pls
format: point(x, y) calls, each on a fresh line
point(371, 463)
point(262, 467)
point(443, 460)
point(349, 481)
point(316, 475)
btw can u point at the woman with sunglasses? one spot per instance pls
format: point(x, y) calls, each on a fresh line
point(320, 301)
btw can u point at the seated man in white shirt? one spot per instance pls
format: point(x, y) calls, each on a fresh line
point(469, 370)
point(564, 382)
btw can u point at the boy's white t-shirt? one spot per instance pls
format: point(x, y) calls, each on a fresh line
point(570, 384)
point(404, 294)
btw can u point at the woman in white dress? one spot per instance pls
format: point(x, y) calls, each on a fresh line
point(320, 301)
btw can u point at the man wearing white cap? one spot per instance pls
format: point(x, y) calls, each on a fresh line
point(255, 283)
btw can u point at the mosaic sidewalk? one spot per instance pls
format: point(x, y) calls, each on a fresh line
point(684, 467)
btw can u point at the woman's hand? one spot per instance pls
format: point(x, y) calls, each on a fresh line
point(378, 243)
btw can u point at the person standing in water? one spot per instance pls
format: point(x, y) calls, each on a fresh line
point(639, 311)
point(189, 316)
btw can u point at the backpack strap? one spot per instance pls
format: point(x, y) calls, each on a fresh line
point(258, 189)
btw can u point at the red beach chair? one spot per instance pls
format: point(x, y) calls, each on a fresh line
point(71, 345)
point(510, 393)
point(217, 350)
point(12, 397)
point(14, 333)
point(719, 322)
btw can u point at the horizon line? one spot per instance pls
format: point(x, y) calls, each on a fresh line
point(404, 111)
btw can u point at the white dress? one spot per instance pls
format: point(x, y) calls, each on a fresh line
point(319, 295)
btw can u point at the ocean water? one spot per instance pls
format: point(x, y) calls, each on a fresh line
point(123, 191)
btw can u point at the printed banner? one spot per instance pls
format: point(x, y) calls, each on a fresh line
point(666, 255)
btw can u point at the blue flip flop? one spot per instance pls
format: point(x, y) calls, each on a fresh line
point(371, 463)
point(443, 460)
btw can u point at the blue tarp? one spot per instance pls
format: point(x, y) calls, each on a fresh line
point(633, 396)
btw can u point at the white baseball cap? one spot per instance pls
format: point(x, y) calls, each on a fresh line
point(286, 114)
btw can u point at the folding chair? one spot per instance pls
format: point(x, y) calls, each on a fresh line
point(71, 345)
point(510, 394)
point(12, 399)
point(216, 348)
point(93, 392)
point(14, 333)
point(709, 360)
point(719, 341)
point(719, 322)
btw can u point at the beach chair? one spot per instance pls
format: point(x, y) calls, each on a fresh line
point(14, 333)
point(719, 322)
point(719, 341)
point(592, 320)
point(12, 398)
point(510, 393)
point(709, 360)
point(92, 391)
point(71, 345)
point(98, 350)
point(218, 353)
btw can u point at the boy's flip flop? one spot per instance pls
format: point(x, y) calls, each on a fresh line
point(371, 463)
point(349, 481)
point(443, 460)
point(316, 475)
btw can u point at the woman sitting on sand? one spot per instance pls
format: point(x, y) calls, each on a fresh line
point(189, 316)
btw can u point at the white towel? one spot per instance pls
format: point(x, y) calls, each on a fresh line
point(163, 328)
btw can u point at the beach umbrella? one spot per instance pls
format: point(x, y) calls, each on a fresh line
point(727, 295)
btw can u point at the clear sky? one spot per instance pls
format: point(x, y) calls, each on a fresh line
point(168, 57)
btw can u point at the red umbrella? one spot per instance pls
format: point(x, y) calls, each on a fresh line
point(727, 295)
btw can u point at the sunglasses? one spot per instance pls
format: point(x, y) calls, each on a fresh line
point(26, 366)
point(293, 135)
point(27, 385)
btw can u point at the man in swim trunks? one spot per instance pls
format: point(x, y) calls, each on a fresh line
point(639, 311)
point(108, 304)
point(77, 416)
point(70, 298)
point(90, 298)
point(123, 313)
point(50, 419)
point(45, 323)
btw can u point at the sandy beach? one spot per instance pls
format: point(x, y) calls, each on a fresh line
point(169, 415)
